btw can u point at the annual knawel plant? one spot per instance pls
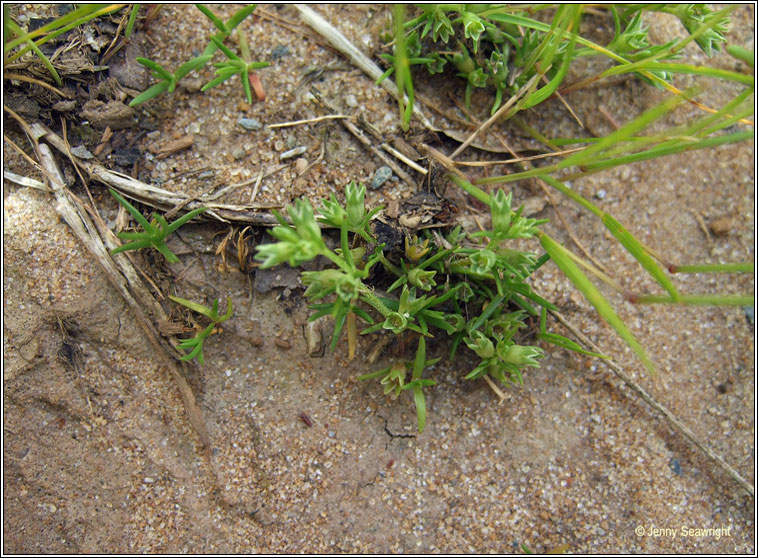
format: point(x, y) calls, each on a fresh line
point(503, 47)
point(470, 287)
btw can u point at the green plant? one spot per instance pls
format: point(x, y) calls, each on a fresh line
point(539, 50)
point(474, 288)
point(155, 232)
point(195, 344)
point(167, 81)
point(505, 47)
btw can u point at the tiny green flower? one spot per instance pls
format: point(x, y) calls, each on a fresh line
point(472, 27)
point(395, 322)
point(500, 208)
point(482, 261)
point(519, 355)
point(395, 378)
point(480, 344)
point(354, 196)
point(422, 279)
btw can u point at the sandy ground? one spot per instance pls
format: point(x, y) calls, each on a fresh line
point(99, 455)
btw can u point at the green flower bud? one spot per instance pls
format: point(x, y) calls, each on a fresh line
point(482, 261)
point(421, 279)
point(395, 378)
point(500, 208)
point(354, 196)
point(395, 322)
point(481, 345)
point(332, 212)
point(442, 27)
point(305, 223)
point(519, 355)
point(472, 26)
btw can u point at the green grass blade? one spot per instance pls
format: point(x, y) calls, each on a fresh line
point(159, 71)
point(743, 54)
point(590, 292)
point(662, 151)
point(747, 267)
point(403, 78)
point(132, 246)
point(165, 252)
point(194, 306)
point(132, 20)
point(418, 363)
point(418, 397)
point(697, 300)
point(16, 30)
point(190, 65)
point(80, 16)
point(571, 18)
point(636, 249)
point(622, 134)
point(72, 18)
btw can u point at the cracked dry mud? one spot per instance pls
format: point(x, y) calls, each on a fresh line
point(99, 455)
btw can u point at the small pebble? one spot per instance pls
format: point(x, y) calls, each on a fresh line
point(238, 153)
point(749, 314)
point(291, 141)
point(279, 51)
point(676, 467)
point(300, 165)
point(351, 101)
point(250, 123)
point(64, 106)
point(381, 176)
point(293, 152)
point(722, 226)
point(600, 194)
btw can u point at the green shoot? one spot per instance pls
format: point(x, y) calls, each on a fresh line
point(167, 81)
point(154, 234)
point(195, 344)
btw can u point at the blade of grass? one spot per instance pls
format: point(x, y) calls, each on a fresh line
point(622, 134)
point(704, 300)
point(634, 247)
point(81, 16)
point(132, 20)
point(590, 292)
point(15, 29)
point(714, 268)
point(569, 21)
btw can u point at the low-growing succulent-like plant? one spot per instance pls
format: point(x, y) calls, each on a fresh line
point(195, 344)
point(503, 46)
point(472, 287)
point(155, 232)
